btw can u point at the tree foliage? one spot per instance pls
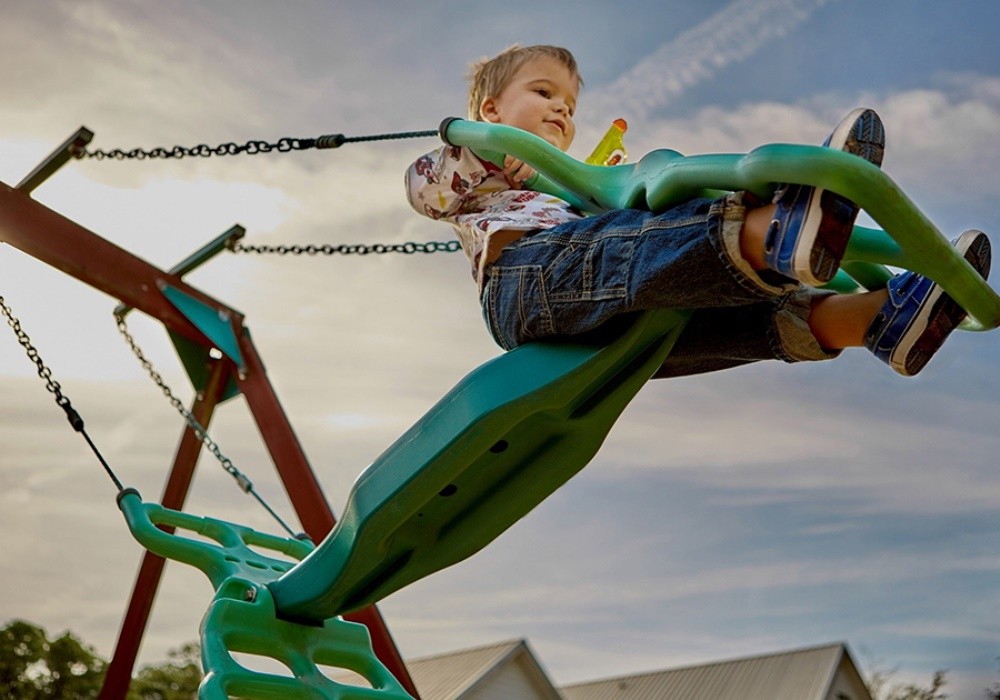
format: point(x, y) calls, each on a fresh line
point(880, 688)
point(33, 667)
point(993, 692)
point(177, 679)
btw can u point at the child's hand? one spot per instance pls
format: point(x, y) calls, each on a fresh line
point(516, 171)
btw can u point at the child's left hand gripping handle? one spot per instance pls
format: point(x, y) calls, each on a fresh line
point(493, 156)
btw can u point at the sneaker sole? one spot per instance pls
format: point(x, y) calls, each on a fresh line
point(940, 314)
point(818, 255)
point(863, 136)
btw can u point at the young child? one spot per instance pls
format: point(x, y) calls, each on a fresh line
point(748, 270)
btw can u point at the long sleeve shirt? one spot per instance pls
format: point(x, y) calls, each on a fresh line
point(454, 185)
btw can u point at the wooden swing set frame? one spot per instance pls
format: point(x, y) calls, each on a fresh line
point(58, 241)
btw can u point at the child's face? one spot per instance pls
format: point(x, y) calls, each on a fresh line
point(540, 98)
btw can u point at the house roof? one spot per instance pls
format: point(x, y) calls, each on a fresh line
point(804, 674)
point(813, 673)
point(450, 676)
point(447, 676)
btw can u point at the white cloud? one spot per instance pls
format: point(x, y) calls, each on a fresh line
point(943, 141)
point(731, 35)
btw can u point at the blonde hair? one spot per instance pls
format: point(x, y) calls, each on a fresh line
point(489, 76)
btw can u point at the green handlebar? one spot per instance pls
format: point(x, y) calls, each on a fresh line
point(242, 619)
point(664, 178)
point(227, 550)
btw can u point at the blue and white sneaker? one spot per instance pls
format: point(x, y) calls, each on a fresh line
point(811, 227)
point(919, 315)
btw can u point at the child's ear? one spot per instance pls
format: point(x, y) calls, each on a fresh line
point(488, 110)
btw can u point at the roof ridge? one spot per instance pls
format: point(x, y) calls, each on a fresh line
point(515, 649)
point(756, 657)
point(513, 642)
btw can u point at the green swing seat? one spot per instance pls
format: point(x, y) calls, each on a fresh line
point(511, 432)
point(504, 439)
point(517, 428)
point(499, 443)
point(242, 619)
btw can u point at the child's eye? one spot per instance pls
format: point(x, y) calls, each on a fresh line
point(543, 92)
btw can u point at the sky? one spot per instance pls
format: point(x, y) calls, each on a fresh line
point(740, 513)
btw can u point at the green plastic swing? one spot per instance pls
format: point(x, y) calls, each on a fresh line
point(242, 618)
point(515, 429)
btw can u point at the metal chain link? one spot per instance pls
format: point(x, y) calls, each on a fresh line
point(283, 145)
point(199, 430)
point(350, 249)
point(44, 372)
point(74, 418)
point(77, 422)
point(196, 426)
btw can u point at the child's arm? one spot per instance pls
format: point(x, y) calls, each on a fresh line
point(438, 183)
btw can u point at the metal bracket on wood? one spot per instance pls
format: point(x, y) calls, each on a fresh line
point(208, 251)
point(56, 160)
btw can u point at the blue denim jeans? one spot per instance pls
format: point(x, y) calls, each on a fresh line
point(574, 278)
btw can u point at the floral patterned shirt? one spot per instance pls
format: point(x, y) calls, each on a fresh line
point(455, 185)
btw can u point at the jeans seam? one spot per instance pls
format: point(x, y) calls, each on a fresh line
point(587, 293)
point(774, 340)
point(492, 322)
point(523, 273)
point(545, 314)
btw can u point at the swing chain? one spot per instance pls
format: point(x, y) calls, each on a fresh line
point(283, 145)
point(201, 150)
point(350, 249)
point(227, 464)
point(74, 418)
point(199, 430)
point(43, 371)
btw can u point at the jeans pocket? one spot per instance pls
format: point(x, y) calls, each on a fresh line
point(594, 269)
point(516, 305)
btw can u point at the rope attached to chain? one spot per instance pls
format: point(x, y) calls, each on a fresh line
point(283, 145)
